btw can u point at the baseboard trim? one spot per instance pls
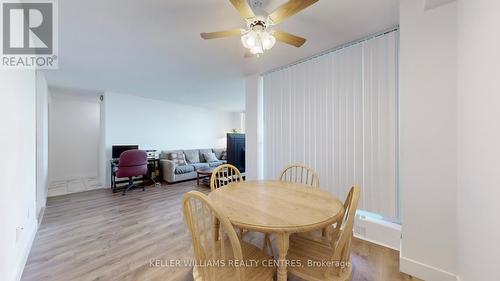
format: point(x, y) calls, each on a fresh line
point(26, 252)
point(425, 271)
point(40, 216)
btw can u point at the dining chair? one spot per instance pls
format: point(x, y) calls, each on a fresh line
point(299, 173)
point(296, 173)
point(224, 175)
point(222, 258)
point(335, 249)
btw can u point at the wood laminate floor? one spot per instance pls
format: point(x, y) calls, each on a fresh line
point(98, 235)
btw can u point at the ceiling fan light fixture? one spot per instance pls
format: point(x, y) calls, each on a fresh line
point(267, 40)
point(258, 41)
point(258, 36)
point(249, 40)
point(257, 50)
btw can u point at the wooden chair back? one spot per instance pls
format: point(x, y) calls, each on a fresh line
point(343, 232)
point(210, 239)
point(223, 175)
point(299, 173)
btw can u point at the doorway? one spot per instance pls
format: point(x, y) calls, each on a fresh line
point(74, 141)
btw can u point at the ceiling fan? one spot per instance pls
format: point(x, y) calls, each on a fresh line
point(258, 36)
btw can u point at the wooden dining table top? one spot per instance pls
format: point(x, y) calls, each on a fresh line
point(277, 206)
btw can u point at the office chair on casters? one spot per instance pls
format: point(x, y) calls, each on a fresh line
point(132, 163)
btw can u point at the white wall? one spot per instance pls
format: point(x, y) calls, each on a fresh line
point(42, 141)
point(428, 140)
point(254, 127)
point(74, 135)
point(479, 139)
point(17, 170)
point(160, 125)
point(242, 122)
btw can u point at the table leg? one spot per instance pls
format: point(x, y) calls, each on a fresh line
point(282, 243)
point(198, 179)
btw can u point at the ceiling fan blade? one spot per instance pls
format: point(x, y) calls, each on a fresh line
point(288, 38)
point(243, 7)
point(289, 9)
point(221, 34)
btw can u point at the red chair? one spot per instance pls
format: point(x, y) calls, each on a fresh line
point(132, 163)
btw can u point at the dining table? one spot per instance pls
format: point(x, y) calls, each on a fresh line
point(278, 208)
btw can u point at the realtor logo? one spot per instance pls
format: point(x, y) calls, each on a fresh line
point(29, 34)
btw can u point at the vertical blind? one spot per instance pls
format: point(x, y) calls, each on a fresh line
point(337, 113)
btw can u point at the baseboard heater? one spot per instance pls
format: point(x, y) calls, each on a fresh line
point(378, 231)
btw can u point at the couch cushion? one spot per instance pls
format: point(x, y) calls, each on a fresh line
point(223, 155)
point(215, 164)
point(218, 152)
point(203, 152)
point(184, 169)
point(192, 156)
point(200, 166)
point(177, 157)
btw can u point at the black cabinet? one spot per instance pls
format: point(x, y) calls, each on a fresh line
point(236, 151)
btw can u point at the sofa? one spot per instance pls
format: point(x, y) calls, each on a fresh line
point(173, 169)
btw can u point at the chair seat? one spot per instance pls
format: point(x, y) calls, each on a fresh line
point(261, 269)
point(131, 171)
point(313, 247)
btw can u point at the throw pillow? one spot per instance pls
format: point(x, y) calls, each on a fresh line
point(202, 154)
point(223, 155)
point(192, 156)
point(210, 157)
point(177, 158)
point(218, 152)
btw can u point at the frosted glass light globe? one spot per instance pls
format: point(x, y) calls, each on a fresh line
point(256, 50)
point(249, 40)
point(267, 40)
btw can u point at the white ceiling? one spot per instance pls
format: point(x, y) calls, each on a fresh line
point(152, 48)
